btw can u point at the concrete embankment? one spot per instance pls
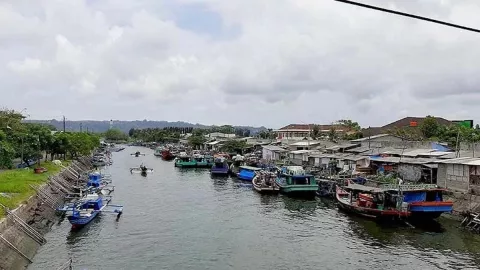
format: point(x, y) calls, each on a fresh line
point(463, 203)
point(22, 230)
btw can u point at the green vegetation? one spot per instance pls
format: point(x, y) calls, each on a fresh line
point(15, 184)
point(234, 146)
point(431, 130)
point(29, 141)
point(115, 134)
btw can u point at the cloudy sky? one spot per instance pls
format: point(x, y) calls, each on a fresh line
point(243, 62)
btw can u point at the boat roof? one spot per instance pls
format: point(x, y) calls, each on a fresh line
point(250, 168)
point(364, 188)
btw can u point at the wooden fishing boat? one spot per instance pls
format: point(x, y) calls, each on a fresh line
point(220, 167)
point(185, 161)
point(167, 155)
point(293, 181)
point(264, 182)
point(370, 202)
point(425, 201)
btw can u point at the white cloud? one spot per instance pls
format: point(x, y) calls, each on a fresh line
point(291, 61)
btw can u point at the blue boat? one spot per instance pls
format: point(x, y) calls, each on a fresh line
point(220, 167)
point(85, 210)
point(247, 173)
point(424, 201)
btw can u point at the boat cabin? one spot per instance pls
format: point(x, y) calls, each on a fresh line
point(373, 198)
point(95, 204)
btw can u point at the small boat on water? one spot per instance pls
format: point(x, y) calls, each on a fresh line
point(247, 173)
point(264, 182)
point(370, 202)
point(141, 169)
point(137, 154)
point(86, 209)
point(293, 180)
point(220, 167)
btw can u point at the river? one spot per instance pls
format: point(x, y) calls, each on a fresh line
point(183, 219)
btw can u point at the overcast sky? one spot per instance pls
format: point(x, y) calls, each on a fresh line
point(241, 62)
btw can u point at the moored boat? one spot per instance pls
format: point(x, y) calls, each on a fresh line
point(220, 167)
point(424, 201)
point(158, 152)
point(185, 161)
point(370, 202)
point(167, 154)
point(86, 209)
point(293, 180)
point(247, 173)
point(264, 182)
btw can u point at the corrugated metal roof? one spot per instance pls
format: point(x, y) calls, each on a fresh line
point(372, 137)
point(305, 143)
point(274, 148)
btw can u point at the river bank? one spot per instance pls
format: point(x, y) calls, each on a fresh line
point(22, 229)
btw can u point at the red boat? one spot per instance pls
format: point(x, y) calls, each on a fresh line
point(369, 202)
point(167, 155)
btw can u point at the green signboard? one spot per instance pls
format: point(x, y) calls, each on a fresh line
point(464, 123)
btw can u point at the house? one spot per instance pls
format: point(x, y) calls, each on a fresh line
point(300, 157)
point(460, 174)
point(273, 152)
point(341, 147)
point(409, 169)
point(219, 135)
point(302, 131)
point(412, 122)
point(377, 141)
point(304, 145)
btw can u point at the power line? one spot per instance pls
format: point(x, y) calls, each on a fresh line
point(409, 15)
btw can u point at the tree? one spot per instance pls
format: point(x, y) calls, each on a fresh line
point(131, 132)
point(232, 146)
point(354, 126)
point(315, 134)
point(429, 127)
point(196, 140)
point(115, 135)
point(332, 134)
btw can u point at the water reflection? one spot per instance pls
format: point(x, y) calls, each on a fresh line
point(190, 220)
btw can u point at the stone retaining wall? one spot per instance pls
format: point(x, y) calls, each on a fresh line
point(39, 216)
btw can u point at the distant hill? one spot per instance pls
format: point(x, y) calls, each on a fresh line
point(125, 126)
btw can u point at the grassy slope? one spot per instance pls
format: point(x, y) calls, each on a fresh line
point(17, 184)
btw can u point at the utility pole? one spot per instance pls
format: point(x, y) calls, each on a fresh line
point(64, 124)
point(81, 127)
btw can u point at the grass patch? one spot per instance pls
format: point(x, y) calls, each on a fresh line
point(16, 184)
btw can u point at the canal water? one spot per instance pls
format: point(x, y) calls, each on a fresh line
point(183, 219)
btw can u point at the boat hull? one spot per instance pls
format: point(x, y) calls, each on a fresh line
point(219, 172)
point(429, 210)
point(78, 222)
point(371, 213)
point(299, 190)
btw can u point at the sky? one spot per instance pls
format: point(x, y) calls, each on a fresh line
point(242, 62)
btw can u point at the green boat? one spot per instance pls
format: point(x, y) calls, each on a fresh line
point(185, 162)
point(204, 161)
point(293, 181)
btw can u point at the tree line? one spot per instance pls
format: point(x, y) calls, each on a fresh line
point(28, 141)
point(430, 129)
